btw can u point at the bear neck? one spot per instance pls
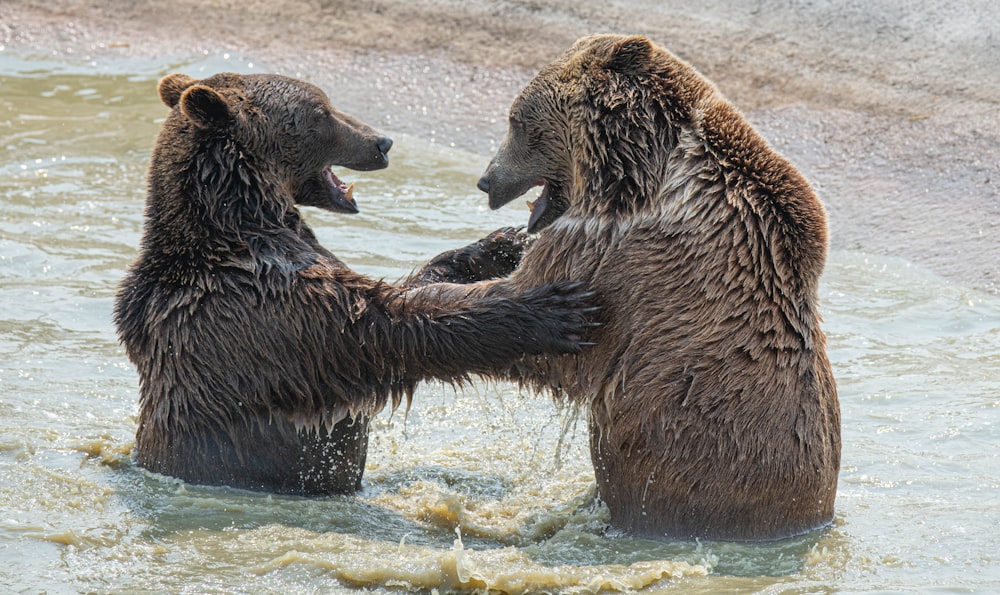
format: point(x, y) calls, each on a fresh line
point(223, 207)
point(627, 173)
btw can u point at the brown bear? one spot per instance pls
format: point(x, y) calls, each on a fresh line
point(713, 409)
point(261, 356)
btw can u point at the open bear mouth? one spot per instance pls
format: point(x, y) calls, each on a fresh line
point(341, 194)
point(549, 206)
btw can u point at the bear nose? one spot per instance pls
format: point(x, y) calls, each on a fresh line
point(384, 143)
point(484, 184)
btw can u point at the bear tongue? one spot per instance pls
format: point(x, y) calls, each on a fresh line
point(341, 194)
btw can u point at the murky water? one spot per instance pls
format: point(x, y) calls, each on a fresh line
point(487, 488)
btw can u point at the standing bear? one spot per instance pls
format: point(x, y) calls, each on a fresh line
point(713, 409)
point(261, 356)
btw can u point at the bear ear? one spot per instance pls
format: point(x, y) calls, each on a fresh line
point(630, 55)
point(172, 86)
point(205, 107)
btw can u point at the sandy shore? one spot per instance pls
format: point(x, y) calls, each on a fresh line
point(890, 110)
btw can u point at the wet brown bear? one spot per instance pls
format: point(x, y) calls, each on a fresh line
point(713, 409)
point(261, 356)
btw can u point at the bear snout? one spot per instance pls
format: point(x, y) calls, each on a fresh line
point(500, 188)
point(360, 154)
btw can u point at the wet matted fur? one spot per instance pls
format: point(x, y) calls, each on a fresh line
point(261, 356)
point(713, 408)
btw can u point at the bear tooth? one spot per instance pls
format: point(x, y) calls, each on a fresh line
point(350, 192)
point(531, 205)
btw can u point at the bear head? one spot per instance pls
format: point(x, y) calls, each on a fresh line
point(590, 124)
point(286, 124)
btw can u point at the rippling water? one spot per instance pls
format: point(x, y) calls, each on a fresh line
point(486, 488)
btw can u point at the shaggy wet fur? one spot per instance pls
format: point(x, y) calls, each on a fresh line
point(713, 409)
point(261, 356)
